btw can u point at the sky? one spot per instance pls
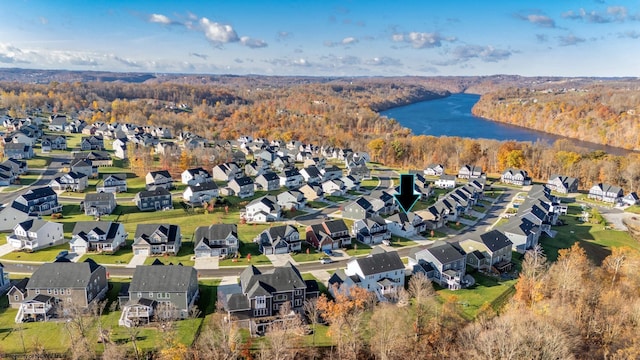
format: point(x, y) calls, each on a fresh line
point(325, 38)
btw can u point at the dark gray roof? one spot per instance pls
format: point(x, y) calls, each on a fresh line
point(336, 226)
point(495, 240)
point(284, 278)
point(445, 252)
point(160, 191)
point(107, 227)
point(146, 230)
point(33, 224)
point(116, 176)
point(215, 232)
point(63, 275)
point(99, 197)
point(165, 278)
point(380, 262)
point(38, 193)
point(245, 180)
point(210, 185)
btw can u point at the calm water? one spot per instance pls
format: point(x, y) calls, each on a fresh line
point(451, 116)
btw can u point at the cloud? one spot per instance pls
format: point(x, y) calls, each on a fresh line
point(542, 38)
point(80, 61)
point(161, 19)
point(6, 59)
point(631, 34)
point(252, 43)
point(218, 33)
point(283, 35)
point(422, 40)
point(349, 40)
point(126, 62)
point(537, 19)
point(612, 14)
point(383, 61)
point(569, 40)
point(465, 53)
point(201, 56)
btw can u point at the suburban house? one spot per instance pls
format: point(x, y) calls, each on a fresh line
point(267, 181)
point(350, 183)
point(292, 199)
point(153, 200)
point(18, 167)
point(97, 158)
point(98, 204)
point(522, 232)
point(195, 176)
point(226, 172)
point(53, 142)
point(93, 142)
point(36, 234)
point(312, 192)
point(333, 187)
point(434, 170)
point(256, 168)
point(119, 147)
point(563, 184)
point(280, 239)
point(311, 174)
point(160, 291)
point(406, 224)
point(470, 172)
point(62, 282)
point(359, 209)
point(328, 235)
point(71, 181)
point(631, 199)
point(443, 262)
point(445, 182)
point(18, 150)
point(157, 239)
point(372, 230)
point(84, 166)
point(58, 123)
point(113, 183)
point(38, 201)
point(606, 192)
point(291, 178)
point(216, 240)
point(381, 273)
point(264, 209)
point(17, 292)
point(491, 251)
point(515, 177)
point(99, 236)
point(158, 179)
point(201, 192)
point(331, 172)
point(242, 187)
point(256, 300)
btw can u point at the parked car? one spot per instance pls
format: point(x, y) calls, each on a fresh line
point(328, 252)
point(62, 254)
point(326, 260)
point(386, 242)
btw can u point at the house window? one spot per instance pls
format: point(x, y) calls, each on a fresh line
point(261, 312)
point(298, 302)
point(298, 292)
point(49, 291)
point(261, 302)
point(37, 291)
point(68, 291)
point(55, 291)
point(139, 295)
point(150, 294)
point(280, 297)
point(16, 298)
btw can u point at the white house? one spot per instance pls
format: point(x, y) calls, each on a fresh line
point(36, 234)
point(197, 194)
point(195, 176)
point(381, 273)
point(99, 236)
point(445, 182)
point(263, 209)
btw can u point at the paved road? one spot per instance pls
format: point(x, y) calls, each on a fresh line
point(47, 175)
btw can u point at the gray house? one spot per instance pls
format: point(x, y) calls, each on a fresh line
point(60, 282)
point(97, 204)
point(18, 151)
point(166, 291)
point(153, 200)
point(113, 183)
point(443, 263)
point(216, 240)
point(157, 239)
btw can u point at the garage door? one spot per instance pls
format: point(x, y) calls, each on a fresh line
point(144, 252)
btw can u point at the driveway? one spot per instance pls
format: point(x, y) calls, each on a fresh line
point(281, 259)
point(136, 260)
point(207, 263)
point(5, 249)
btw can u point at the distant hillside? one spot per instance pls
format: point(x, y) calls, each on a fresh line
point(603, 112)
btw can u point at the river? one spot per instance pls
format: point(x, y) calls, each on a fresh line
point(451, 116)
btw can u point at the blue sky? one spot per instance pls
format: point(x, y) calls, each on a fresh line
point(325, 38)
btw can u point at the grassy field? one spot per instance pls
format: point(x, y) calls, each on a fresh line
point(313, 254)
point(358, 248)
point(183, 257)
point(369, 184)
point(472, 299)
point(246, 233)
point(44, 255)
point(635, 209)
point(398, 242)
point(120, 257)
point(38, 162)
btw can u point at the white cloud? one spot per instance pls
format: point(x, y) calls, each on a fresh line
point(569, 40)
point(218, 33)
point(349, 40)
point(252, 43)
point(422, 40)
point(465, 53)
point(612, 14)
point(126, 62)
point(160, 19)
point(198, 55)
point(537, 19)
point(383, 61)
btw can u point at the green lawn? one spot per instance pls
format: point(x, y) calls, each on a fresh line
point(633, 209)
point(357, 248)
point(302, 256)
point(369, 184)
point(434, 234)
point(246, 233)
point(486, 290)
point(316, 204)
point(397, 241)
point(336, 199)
point(120, 257)
point(44, 255)
point(455, 226)
point(27, 179)
point(184, 256)
point(38, 162)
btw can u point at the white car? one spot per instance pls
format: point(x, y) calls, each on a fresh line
point(386, 242)
point(326, 260)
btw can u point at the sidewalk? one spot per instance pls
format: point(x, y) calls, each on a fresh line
point(5, 249)
point(281, 259)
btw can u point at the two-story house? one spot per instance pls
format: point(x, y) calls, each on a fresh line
point(444, 263)
point(62, 282)
point(328, 235)
point(491, 250)
point(18, 151)
point(470, 172)
point(153, 200)
point(445, 182)
point(381, 273)
point(226, 172)
point(99, 236)
point(242, 187)
point(292, 199)
point(112, 183)
point(267, 181)
point(195, 176)
point(94, 142)
point(359, 209)
point(291, 178)
point(606, 192)
point(71, 181)
point(434, 170)
point(563, 184)
point(160, 291)
point(255, 301)
point(53, 142)
point(280, 239)
point(216, 240)
point(38, 201)
point(36, 234)
point(157, 239)
point(516, 177)
point(311, 174)
point(84, 166)
point(199, 193)
point(158, 179)
point(406, 224)
point(98, 204)
point(372, 230)
point(264, 209)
